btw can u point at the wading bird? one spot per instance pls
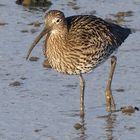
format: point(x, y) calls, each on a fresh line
point(77, 44)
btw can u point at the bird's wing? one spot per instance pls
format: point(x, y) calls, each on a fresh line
point(88, 29)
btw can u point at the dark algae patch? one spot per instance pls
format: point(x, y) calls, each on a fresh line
point(120, 17)
point(3, 23)
point(15, 83)
point(40, 3)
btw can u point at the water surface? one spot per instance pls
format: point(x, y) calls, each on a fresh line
point(45, 104)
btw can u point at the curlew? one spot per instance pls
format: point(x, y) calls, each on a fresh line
point(77, 44)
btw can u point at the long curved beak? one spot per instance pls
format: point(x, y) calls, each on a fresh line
point(37, 39)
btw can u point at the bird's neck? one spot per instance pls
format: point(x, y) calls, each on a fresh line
point(57, 37)
point(56, 40)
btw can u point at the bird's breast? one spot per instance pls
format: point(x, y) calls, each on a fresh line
point(56, 52)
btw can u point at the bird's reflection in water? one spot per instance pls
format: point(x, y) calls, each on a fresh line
point(82, 129)
point(110, 124)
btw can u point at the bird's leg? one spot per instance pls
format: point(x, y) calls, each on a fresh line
point(110, 103)
point(82, 89)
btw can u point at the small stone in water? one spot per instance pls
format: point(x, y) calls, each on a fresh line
point(128, 109)
point(36, 23)
point(15, 83)
point(77, 126)
point(3, 23)
point(120, 90)
point(37, 130)
point(24, 31)
point(33, 58)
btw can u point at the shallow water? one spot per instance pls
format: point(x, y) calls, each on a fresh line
point(45, 104)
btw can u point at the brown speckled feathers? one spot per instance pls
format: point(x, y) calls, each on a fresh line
point(86, 27)
point(82, 42)
point(86, 42)
point(78, 44)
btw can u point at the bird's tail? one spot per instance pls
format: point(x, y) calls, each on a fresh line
point(120, 33)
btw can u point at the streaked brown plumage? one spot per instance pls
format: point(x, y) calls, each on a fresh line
point(78, 44)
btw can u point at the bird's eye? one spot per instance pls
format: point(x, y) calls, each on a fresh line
point(58, 20)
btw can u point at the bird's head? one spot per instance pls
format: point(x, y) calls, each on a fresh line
point(54, 23)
